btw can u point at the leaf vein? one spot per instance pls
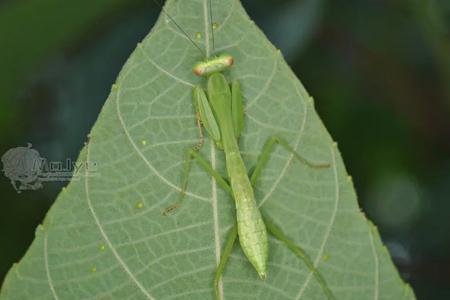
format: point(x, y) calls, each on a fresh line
point(165, 71)
point(328, 230)
point(47, 267)
point(141, 155)
point(291, 157)
point(105, 236)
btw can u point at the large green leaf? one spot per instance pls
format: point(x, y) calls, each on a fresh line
point(105, 237)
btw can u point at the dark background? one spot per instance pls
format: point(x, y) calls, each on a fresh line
point(378, 69)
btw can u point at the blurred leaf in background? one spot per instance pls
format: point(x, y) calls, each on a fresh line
point(50, 92)
point(378, 69)
point(385, 99)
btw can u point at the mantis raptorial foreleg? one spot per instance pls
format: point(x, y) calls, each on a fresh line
point(201, 136)
point(203, 119)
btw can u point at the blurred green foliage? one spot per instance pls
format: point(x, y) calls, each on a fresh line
point(379, 70)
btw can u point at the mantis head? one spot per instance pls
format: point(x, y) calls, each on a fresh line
point(213, 65)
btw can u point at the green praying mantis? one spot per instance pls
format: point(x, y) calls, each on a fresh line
point(220, 111)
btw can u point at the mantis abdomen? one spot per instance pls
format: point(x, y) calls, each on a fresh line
point(251, 229)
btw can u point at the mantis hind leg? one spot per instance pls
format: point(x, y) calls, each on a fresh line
point(275, 231)
point(272, 228)
point(268, 149)
point(232, 236)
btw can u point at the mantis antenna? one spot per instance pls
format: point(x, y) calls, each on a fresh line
point(212, 26)
point(179, 27)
